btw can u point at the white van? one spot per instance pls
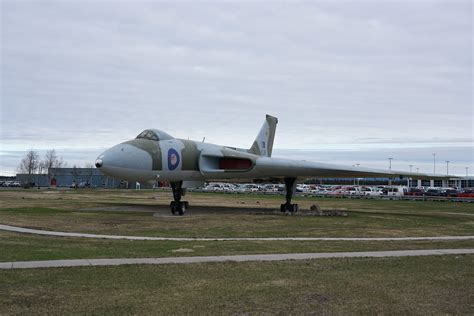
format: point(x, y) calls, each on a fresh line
point(395, 191)
point(370, 191)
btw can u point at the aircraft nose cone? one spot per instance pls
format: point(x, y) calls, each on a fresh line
point(98, 163)
point(118, 160)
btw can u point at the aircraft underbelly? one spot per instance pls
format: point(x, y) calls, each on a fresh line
point(180, 175)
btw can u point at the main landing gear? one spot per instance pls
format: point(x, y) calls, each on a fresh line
point(177, 206)
point(290, 184)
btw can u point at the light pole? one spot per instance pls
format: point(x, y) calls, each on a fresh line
point(467, 169)
point(390, 169)
point(409, 179)
point(447, 167)
point(418, 181)
point(434, 163)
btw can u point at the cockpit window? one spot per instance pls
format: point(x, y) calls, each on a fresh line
point(148, 134)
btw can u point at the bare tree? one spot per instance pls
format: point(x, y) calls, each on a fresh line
point(51, 160)
point(29, 164)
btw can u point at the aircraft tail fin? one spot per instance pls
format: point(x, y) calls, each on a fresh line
point(263, 144)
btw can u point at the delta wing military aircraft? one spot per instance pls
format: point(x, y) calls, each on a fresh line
point(157, 156)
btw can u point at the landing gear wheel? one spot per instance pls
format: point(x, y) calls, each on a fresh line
point(181, 208)
point(291, 208)
point(177, 206)
point(173, 208)
point(290, 184)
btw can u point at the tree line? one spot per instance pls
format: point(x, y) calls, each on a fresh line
point(32, 163)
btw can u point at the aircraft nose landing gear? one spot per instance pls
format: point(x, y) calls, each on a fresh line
point(290, 184)
point(177, 206)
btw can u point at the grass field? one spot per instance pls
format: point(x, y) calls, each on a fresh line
point(423, 285)
point(418, 285)
point(146, 213)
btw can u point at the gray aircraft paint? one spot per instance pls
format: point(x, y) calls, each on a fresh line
point(263, 144)
point(152, 148)
point(170, 159)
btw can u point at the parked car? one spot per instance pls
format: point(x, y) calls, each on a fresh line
point(270, 188)
point(336, 192)
point(249, 187)
point(212, 187)
point(84, 184)
point(434, 192)
point(11, 184)
point(450, 192)
point(369, 191)
point(415, 192)
point(394, 191)
point(354, 191)
point(468, 193)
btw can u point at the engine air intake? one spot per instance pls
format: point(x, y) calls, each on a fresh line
point(235, 164)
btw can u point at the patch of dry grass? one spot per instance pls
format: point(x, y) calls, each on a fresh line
point(413, 285)
point(223, 215)
point(22, 247)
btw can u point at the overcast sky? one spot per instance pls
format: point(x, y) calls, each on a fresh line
point(351, 82)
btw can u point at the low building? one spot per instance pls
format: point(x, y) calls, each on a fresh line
point(70, 177)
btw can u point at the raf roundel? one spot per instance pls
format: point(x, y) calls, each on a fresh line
point(173, 159)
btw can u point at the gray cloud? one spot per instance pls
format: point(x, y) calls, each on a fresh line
point(83, 75)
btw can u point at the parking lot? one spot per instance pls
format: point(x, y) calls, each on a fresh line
point(349, 191)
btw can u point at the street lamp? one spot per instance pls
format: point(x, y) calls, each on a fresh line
point(390, 169)
point(411, 167)
point(467, 168)
point(417, 170)
point(434, 163)
point(447, 167)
